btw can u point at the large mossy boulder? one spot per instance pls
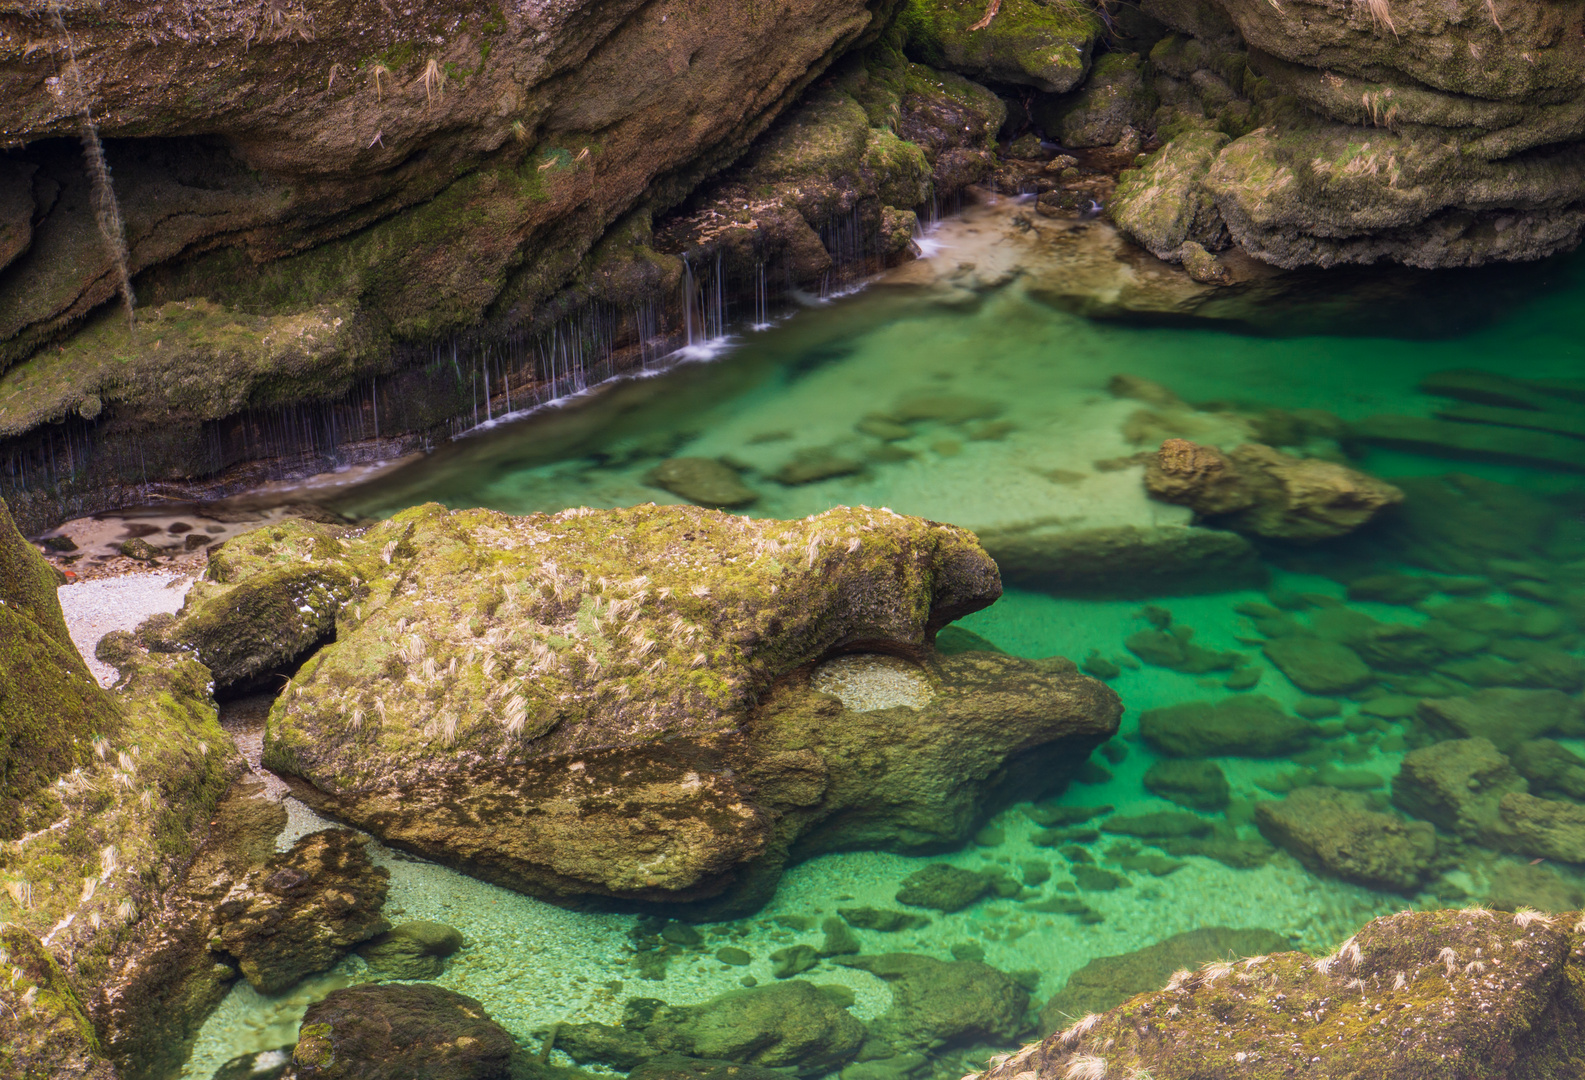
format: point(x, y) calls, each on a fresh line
point(1114, 99)
point(619, 703)
point(51, 709)
point(1500, 996)
point(1041, 43)
point(401, 1032)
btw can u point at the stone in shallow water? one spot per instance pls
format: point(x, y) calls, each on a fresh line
point(382, 1032)
point(1250, 725)
point(1506, 716)
point(705, 481)
point(1199, 785)
point(884, 920)
point(414, 950)
point(935, 1002)
point(1317, 666)
point(1111, 980)
point(943, 888)
point(865, 682)
point(1336, 833)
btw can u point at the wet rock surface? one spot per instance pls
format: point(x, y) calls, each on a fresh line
point(397, 1031)
point(303, 910)
point(541, 683)
point(1336, 833)
point(412, 950)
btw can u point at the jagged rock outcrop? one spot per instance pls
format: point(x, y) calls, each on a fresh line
point(1499, 993)
point(1320, 133)
point(619, 703)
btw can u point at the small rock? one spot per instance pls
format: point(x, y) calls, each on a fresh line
point(1201, 265)
point(733, 956)
point(1336, 833)
point(1317, 666)
point(380, 1031)
point(943, 888)
point(413, 950)
point(1199, 785)
point(1249, 725)
point(785, 963)
point(702, 480)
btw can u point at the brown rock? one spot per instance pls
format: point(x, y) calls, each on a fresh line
point(1336, 833)
point(1265, 492)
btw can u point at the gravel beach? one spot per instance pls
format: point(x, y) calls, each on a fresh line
point(95, 608)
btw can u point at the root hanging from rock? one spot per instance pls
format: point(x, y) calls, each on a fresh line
point(107, 211)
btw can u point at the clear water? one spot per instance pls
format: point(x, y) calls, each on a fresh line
point(981, 333)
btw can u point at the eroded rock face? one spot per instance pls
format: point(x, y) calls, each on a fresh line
point(619, 703)
point(1317, 134)
point(1265, 492)
point(1503, 990)
point(303, 910)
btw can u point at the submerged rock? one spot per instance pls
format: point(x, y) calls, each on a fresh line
point(1502, 990)
point(1318, 666)
point(941, 887)
point(1199, 785)
point(303, 910)
point(789, 1025)
point(413, 950)
point(1110, 980)
point(1336, 833)
point(936, 1003)
point(1250, 725)
point(618, 703)
point(1458, 785)
point(1265, 492)
point(702, 480)
point(1506, 717)
point(401, 1030)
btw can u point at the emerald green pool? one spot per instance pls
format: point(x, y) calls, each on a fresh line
point(1018, 414)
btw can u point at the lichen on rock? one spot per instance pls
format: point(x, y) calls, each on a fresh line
point(619, 703)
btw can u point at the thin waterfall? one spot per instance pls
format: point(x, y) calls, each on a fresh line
point(107, 211)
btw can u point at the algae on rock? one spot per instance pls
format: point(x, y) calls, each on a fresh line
point(618, 703)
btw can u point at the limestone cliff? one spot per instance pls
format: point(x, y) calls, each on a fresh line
point(1324, 132)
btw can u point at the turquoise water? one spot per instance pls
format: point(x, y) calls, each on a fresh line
point(1000, 409)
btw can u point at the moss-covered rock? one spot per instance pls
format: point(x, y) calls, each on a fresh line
point(1504, 991)
point(618, 703)
point(1252, 725)
point(1041, 43)
point(375, 1032)
point(303, 910)
point(51, 709)
point(413, 950)
point(44, 1031)
point(1114, 98)
point(1165, 203)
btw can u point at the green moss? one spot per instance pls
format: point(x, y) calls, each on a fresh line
point(1043, 44)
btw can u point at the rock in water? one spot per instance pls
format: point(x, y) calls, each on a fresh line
point(937, 1003)
point(1199, 785)
point(414, 950)
point(1110, 980)
point(497, 680)
point(790, 1025)
point(1265, 492)
point(1502, 989)
point(1335, 833)
point(702, 480)
point(1317, 666)
point(401, 1032)
point(1251, 725)
point(1504, 715)
point(304, 910)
